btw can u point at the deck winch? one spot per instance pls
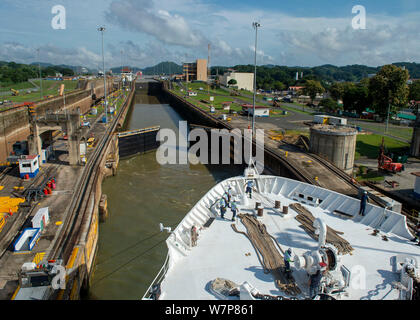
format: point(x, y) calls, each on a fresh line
point(335, 281)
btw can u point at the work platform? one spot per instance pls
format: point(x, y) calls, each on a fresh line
point(68, 180)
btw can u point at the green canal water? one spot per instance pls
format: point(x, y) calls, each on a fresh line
point(131, 249)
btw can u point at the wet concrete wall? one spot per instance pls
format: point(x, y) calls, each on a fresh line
point(14, 123)
point(273, 163)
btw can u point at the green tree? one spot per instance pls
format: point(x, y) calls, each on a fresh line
point(232, 82)
point(329, 104)
point(278, 85)
point(312, 87)
point(337, 91)
point(356, 96)
point(414, 91)
point(389, 89)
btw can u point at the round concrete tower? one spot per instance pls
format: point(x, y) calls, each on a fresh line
point(335, 143)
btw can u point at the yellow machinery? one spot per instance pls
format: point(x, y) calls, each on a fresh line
point(276, 136)
point(90, 142)
point(14, 92)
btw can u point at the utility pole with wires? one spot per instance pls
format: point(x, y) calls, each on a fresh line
point(121, 61)
point(102, 30)
point(208, 72)
point(40, 76)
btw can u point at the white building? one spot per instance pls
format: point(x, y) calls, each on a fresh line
point(41, 219)
point(28, 165)
point(325, 119)
point(244, 80)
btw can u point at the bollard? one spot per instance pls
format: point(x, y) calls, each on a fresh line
point(285, 210)
point(257, 205)
point(260, 212)
point(277, 204)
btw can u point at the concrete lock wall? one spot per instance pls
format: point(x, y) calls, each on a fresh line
point(14, 123)
point(14, 126)
point(415, 144)
point(336, 145)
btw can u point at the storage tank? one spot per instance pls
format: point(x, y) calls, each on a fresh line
point(335, 143)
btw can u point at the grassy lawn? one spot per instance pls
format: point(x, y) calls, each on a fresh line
point(49, 87)
point(368, 146)
point(287, 107)
point(17, 86)
point(369, 175)
point(196, 87)
point(401, 132)
point(277, 113)
point(219, 96)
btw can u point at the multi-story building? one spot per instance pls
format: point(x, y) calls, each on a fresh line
point(244, 80)
point(196, 71)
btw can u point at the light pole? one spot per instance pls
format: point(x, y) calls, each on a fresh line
point(389, 107)
point(256, 25)
point(40, 78)
point(121, 61)
point(102, 30)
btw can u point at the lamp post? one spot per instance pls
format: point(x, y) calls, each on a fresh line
point(389, 107)
point(102, 30)
point(121, 61)
point(256, 25)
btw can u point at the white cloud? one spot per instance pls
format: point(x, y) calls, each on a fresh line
point(385, 40)
point(17, 52)
point(157, 30)
point(142, 16)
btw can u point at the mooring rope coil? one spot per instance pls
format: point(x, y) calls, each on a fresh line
point(271, 260)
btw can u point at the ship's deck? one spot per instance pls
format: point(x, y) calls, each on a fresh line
point(220, 253)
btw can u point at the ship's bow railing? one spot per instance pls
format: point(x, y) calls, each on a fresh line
point(158, 279)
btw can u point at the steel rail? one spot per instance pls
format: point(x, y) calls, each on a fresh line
point(72, 224)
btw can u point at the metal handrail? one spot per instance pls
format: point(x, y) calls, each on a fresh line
point(161, 274)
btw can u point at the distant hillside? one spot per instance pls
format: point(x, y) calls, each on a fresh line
point(160, 68)
point(11, 72)
point(76, 69)
point(269, 76)
point(118, 69)
point(163, 68)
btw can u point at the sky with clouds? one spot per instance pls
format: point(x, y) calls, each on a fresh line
point(292, 33)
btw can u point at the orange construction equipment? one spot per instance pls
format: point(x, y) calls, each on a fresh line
point(385, 163)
